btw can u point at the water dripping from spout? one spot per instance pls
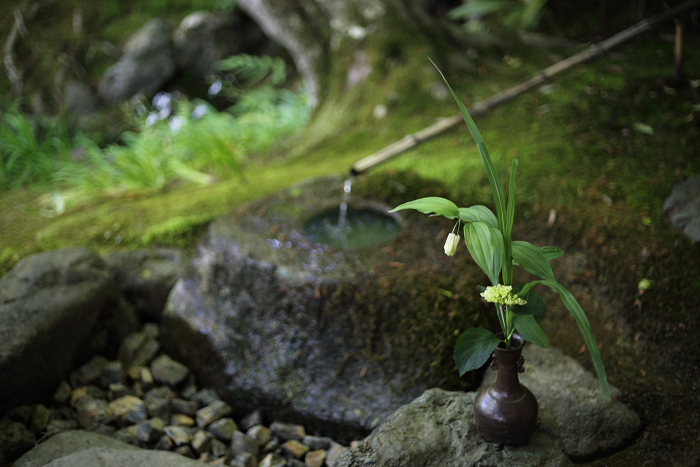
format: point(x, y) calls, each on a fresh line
point(342, 217)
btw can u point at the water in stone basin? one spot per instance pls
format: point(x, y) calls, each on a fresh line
point(350, 227)
point(360, 228)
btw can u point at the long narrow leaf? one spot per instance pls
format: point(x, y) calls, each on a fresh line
point(580, 317)
point(511, 198)
point(436, 205)
point(549, 252)
point(496, 188)
point(530, 258)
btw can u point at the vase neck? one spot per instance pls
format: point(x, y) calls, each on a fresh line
point(507, 382)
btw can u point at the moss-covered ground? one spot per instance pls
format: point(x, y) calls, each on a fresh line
point(583, 157)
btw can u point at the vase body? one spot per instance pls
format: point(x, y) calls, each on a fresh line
point(506, 411)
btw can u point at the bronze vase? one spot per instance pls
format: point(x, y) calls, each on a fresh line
point(506, 411)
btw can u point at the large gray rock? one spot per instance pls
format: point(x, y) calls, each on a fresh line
point(79, 99)
point(438, 429)
point(591, 426)
point(53, 306)
point(683, 207)
point(87, 449)
point(146, 276)
point(146, 65)
point(202, 38)
point(15, 440)
point(320, 335)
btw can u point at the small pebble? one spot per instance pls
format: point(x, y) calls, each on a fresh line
point(167, 371)
point(224, 428)
point(157, 407)
point(178, 434)
point(149, 431)
point(128, 410)
point(201, 442)
point(92, 411)
point(315, 458)
point(205, 397)
point(185, 451)
point(294, 448)
point(117, 390)
point(287, 431)
point(273, 460)
point(126, 434)
point(213, 412)
point(217, 448)
point(62, 393)
point(112, 372)
point(244, 460)
point(260, 434)
point(252, 419)
point(317, 442)
point(183, 406)
point(164, 443)
point(183, 420)
point(240, 444)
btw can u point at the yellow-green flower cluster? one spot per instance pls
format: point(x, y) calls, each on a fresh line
point(502, 294)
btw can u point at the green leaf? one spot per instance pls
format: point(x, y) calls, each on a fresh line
point(549, 252)
point(468, 215)
point(485, 244)
point(530, 330)
point(473, 348)
point(441, 206)
point(480, 8)
point(511, 199)
point(481, 214)
point(535, 306)
point(530, 258)
point(580, 317)
point(496, 188)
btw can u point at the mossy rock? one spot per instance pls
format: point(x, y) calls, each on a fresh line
point(334, 338)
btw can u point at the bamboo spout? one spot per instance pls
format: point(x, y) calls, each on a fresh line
point(480, 108)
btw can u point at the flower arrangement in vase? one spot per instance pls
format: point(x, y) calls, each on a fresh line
point(518, 307)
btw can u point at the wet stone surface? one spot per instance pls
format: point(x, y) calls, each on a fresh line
point(274, 319)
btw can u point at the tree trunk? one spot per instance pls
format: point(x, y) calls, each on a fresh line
point(321, 34)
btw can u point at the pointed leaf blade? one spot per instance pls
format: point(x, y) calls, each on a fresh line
point(441, 206)
point(530, 330)
point(496, 187)
point(530, 258)
point(473, 348)
point(549, 252)
point(485, 215)
point(585, 327)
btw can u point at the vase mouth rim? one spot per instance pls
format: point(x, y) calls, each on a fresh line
point(517, 342)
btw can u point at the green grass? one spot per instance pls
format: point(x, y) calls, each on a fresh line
point(560, 167)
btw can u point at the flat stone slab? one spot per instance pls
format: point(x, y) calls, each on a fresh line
point(591, 426)
point(438, 429)
point(50, 305)
point(87, 449)
point(683, 207)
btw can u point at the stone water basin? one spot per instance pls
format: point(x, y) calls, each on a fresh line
point(328, 337)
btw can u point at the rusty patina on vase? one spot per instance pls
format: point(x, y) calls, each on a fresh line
point(506, 411)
